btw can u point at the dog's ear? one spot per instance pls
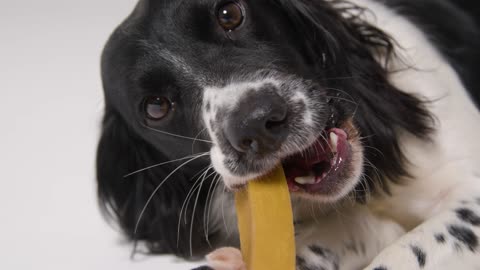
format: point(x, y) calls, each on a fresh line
point(122, 199)
point(330, 29)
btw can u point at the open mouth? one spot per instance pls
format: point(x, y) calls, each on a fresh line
point(318, 166)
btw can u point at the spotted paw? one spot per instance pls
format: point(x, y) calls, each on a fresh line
point(317, 257)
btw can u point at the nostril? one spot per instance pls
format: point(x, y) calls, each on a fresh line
point(246, 143)
point(277, 118)
point(272, 125)
point(276, 122)
point(249, 145)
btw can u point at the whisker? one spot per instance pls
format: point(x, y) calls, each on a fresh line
point(191, 195)
point(187, 199)
point(161, 164)
point(342, 78)
point(196, 138)
point(205, 177)
point(327, 142)
point(366, 137)
point(343, 99)
point(312, 209)
point(341, 91)
point(206, 212)
point(374, 148)
point(223, 213)
point(352, 100)
point(377, 172)
point(176, 135)
point(158, 187)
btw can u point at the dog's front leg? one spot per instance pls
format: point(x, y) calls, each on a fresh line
point(447, 241)
point(345, 239)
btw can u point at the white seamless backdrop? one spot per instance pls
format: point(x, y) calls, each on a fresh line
point(50, 109)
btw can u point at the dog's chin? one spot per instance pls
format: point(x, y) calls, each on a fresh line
point(326, 170)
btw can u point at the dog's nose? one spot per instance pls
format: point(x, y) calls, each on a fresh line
point(259, 123)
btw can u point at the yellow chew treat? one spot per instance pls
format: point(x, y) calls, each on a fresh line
point(265, 222)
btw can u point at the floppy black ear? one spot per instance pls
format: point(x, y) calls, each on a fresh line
point(121, 152)
point(331, 29)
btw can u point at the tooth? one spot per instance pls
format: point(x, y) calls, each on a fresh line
point(303, 180)
point(333, 141)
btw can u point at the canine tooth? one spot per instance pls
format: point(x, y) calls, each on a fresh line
point(333, 141)
point(303, 180)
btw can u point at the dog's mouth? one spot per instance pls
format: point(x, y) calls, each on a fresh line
point(317, 168)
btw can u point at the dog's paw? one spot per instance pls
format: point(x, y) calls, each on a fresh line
point(401, 257)
point(317, 257)
point(224, 259)
point(205, 267)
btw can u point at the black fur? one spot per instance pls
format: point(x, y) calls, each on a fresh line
point(203, 268)
point(296, 36)
point(420, 255)
point(465, 236)
point(468, 216)
point(440, 238)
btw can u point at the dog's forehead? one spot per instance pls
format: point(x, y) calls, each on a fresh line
point(163, 10)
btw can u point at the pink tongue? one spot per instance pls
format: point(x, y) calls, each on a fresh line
point(320, 151)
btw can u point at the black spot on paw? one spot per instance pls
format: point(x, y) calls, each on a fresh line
point(465, 235)
point(420, 255)
point(300, 261)
point(380, 268)
point(363, 248)
point(440, 238)
point(327, 256)
point(468, 216)
point(319, 250)
point(352, 247)
point(203, 268)
point(302, 264)
point(208, 106)
point(457, 247)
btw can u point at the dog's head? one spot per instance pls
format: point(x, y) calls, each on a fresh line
point(245, 85)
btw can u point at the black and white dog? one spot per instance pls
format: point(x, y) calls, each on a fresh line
point(368, 104)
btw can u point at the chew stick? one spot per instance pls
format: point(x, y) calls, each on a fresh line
point(265, 223)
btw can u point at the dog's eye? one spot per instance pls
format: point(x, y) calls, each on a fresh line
point(230, 16)
point(156, 108)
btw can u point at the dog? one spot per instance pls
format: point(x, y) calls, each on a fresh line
point(369, 105)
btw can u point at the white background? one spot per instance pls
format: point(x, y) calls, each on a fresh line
point(50, 107)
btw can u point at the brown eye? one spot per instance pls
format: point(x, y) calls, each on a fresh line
point(156, 108)
point(230, 16)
